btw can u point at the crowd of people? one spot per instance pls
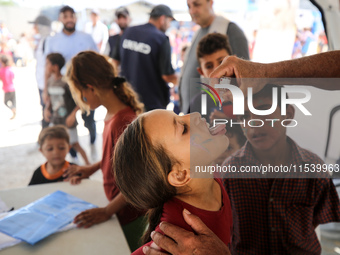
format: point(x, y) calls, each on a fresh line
point(148, 151)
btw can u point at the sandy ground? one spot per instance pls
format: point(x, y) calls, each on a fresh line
point(19, 154)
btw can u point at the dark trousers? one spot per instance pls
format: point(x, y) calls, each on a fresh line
point(90, 124)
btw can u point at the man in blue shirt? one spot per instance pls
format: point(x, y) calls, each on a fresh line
point(145, 58)
point(69, 42)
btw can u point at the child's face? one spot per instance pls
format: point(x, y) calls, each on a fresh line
point(209, 62)
point(48, 66)
point(55, 150)
point(266, 137)
point(186, 137)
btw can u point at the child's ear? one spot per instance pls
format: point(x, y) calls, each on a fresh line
point(90, 87)
point(199, 70)
point(179, 177)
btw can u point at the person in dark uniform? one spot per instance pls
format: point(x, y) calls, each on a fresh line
point(145, 58)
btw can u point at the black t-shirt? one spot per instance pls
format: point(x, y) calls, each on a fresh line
point(145, 56)
point(39, 178)
point(114, 41)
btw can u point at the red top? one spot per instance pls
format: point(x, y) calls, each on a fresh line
point(220, 222)
point(112, 130)
point(7, 76)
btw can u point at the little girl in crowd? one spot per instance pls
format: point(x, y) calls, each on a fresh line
point(7, 76)
point(153, 165)
point(93, 83)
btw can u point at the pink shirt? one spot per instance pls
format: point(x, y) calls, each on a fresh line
point(7, 76)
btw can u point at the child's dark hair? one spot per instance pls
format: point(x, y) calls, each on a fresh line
point(89, 67)
point(4, 59)
point(211, 43)
point(57, 131)
point(56, 59)
point(141, 172)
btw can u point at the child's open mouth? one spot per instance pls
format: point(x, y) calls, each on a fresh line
point(218, 130)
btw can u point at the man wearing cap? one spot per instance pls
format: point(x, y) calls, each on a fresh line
point(202, 13)
point(98, 30)
point(123, 20)
point(145, 58)
point(69, 42)
point(42, 27)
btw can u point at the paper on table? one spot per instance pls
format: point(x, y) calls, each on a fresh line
point(7, 241)
point(43, 217)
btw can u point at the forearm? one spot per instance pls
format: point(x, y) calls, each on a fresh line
point(48, 105)
point(307, 70)
point(71, 118)
point(323, 65)
point(94, 167)
point(116, 204)
point(45, 93)
point(87, 171)
point(75, 110)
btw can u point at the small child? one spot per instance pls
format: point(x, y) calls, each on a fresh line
point(61, 108)
point(7, 76)
point(159, 180)
point(54, 145)
point(211, 51)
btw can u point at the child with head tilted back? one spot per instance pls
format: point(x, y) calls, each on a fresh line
point(153, 169)
point(94, 83)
